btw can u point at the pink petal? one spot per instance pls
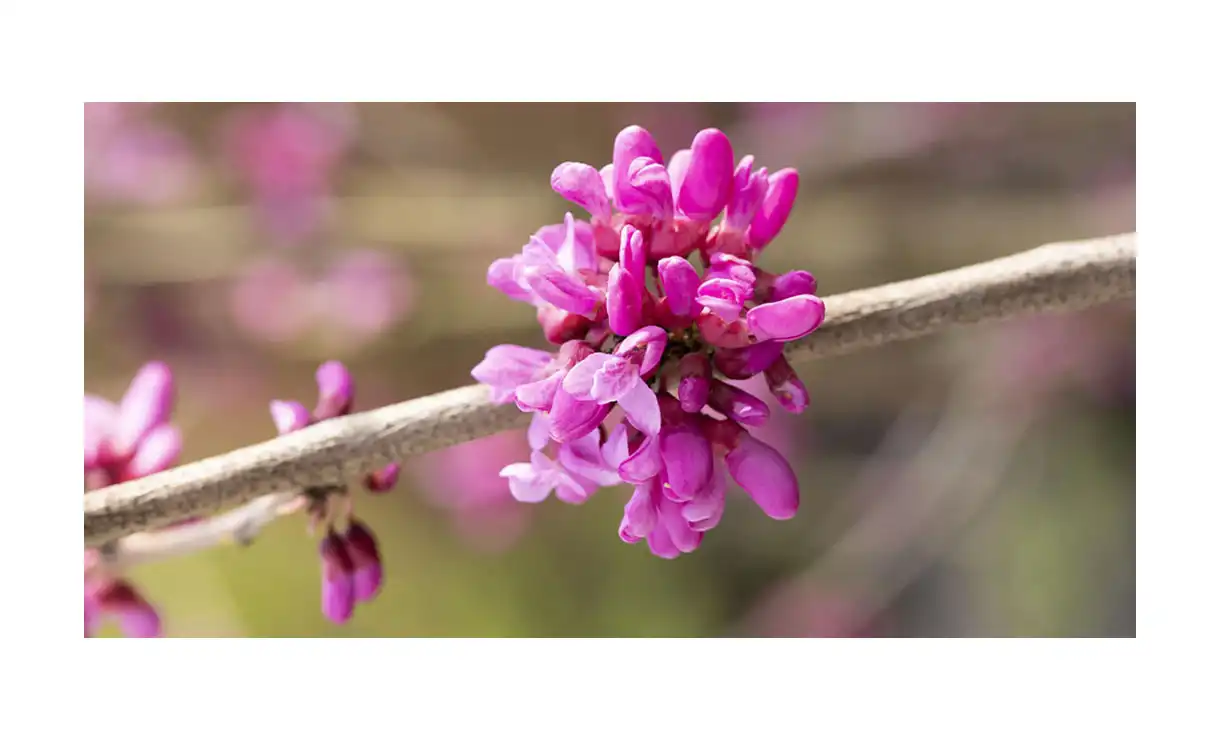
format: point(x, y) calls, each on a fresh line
point(646, 344)
point(579, 380)
point(539, 433)
point(709, 178)
point(679, 163)
point(616, 378)
point(147, 403)
point(687, 455)
point(680, 282)
point(158, 451)
point(526, 484)
point(336, 391)
point(640, 405)
point(766, 476)
point(774, 209)
point(582, 185)
point(786, 320)
point(639, 515)
point(576, 252)
point(289, 416)
point(572, 418)
point(624, 301)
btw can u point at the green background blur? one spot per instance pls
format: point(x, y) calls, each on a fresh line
point(977, 483)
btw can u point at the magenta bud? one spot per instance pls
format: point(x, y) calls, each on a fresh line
point(146, 404)
point(289, 416)
point(623, 301)
point(335, 391)
point(687, 455)
point(765, 475)
point(738, 405)
point(797, 282)
point(773, 211)
point(787, 387)
point(366, 561)
point(746, 362)
point(709, 176)
point(680, 282)
point(694, 382)
point(338, 579)
point(380, 481)
point(786, 320)
point(582, 185)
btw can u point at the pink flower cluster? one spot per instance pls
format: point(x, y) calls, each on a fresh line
point(641, 330)
point(134, 438)
point(351, 561)
point(125, 441)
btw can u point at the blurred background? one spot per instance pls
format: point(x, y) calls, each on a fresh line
point(977, 483)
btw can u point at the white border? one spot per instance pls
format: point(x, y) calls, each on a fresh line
point(673, 688)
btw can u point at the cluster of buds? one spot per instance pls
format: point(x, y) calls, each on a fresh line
point(640, 389)
point(351, 562)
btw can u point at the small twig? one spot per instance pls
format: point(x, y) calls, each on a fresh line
point(1054, 278)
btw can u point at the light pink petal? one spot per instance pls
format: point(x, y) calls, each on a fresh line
point(579, 380)
point(661, 544)
point(539, 395)
point(616, 378)
point(147, 403)
point(616, 449)
point(336, 390)
point(643, 464)
point(582, 185)
point(100, 416)
point(680, 532)
point(289, 416)
point(583, 457)
point(158, 451)
point(526, 484)
point(539, 433)
point(577, 251)
point(639, 402)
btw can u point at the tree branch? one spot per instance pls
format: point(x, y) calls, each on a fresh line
point(1061, 277)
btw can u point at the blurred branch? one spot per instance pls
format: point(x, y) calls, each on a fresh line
point(1059, 277)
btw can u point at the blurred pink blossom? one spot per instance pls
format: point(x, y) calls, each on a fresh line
point(130, 158)
point(795, 609)
point(360, 295)
point(286, 155)
point(465, 480)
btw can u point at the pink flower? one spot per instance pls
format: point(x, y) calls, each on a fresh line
point(134, 438)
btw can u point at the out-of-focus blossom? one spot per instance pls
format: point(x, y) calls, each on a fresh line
point(130, 158)
point(465, 481)
point(359, 296)
point(286, 155)
point(125, 441)
point(659, 348)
